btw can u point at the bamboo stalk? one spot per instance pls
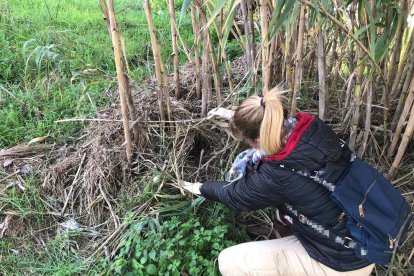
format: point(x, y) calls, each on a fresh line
point(219, 30)
point(290, 59)
point(215, 69)
point(249, 35)
point(403, 145)
point(174, 36)
point(408, 103)
point(186, 49)
point(136, 128)
point(356, 102)
point(122, 80)
point(395, 55)
point(196, 50)
point(205, 64)
point(323, 87)
point(335, 68)
point(253, 79)
point(299, 61)
point(367, 129)
point(223, 53)
point(159, 68)
point(266, 60)
point(400, 71)
point(358, 89)
point(214, 60)
point(409, 76)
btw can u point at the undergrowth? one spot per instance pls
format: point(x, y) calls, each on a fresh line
point(186, 244)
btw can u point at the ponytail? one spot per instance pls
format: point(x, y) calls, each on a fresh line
point(261, 118)
point(271, 127)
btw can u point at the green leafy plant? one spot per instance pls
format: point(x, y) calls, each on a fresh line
point(181, 244)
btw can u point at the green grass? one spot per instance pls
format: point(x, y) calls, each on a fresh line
point(56, 62)
point(25, 202)
point(59, 256)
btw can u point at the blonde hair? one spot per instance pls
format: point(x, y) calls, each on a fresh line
point(261, 118)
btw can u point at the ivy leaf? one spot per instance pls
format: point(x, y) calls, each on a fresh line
point(152, 255)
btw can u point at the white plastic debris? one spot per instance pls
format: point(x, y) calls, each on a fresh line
point(71, 224)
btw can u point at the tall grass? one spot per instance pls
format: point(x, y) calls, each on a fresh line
point(56, 62)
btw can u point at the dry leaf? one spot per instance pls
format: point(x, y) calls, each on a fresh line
point(7, 163)
point(26, 169)
point(4, 225)
point(37, 140)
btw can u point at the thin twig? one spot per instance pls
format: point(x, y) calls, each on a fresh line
point(73, 184)
point(9, 176)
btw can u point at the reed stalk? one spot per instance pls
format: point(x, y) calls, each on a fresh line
point(122, 79)
point(265, 46)
point(408, 103)
point(196, 50)
point(174, 35)
point(299, 60)
point(205, 63)
point(159, 67)
point(323, 86)
point(408, 134)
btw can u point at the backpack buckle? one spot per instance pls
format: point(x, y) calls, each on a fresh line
point(348, 243)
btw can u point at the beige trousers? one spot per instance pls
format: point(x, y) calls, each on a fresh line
point(285, 256)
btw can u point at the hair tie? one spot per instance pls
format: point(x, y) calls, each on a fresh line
point(262, 103)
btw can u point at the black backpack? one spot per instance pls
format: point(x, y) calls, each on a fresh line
point(377, 215)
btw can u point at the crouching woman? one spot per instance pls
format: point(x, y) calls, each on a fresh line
point(273, 174)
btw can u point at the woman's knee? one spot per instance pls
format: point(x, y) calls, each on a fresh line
point(224, 257)
point(227, 263)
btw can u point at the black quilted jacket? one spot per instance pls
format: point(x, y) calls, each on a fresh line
point(312, 146)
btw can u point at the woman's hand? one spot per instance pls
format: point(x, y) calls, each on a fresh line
point(193, 188)
point(222, 113)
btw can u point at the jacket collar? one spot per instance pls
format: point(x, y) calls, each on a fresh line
point(304, 120)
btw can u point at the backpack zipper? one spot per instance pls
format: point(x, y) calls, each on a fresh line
point(361, 205)
point(391, 241)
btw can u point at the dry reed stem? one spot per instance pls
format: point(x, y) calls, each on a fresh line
point(356, 100)
point(323, 86)
point(246, 7)
point(122, 80)
point(196, 50)
point(71, 186)
point(367, 130)
point(404, 92)
point(265, 44)
point(408, 103)
point(205, 65)
point(174, 36)
point(223, 53)
point(395, 54)
point(215, 69)
point(159, 70)
point(402, 66)
point(298, 60)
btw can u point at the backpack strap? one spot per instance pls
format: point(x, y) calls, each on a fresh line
point(331, 234)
